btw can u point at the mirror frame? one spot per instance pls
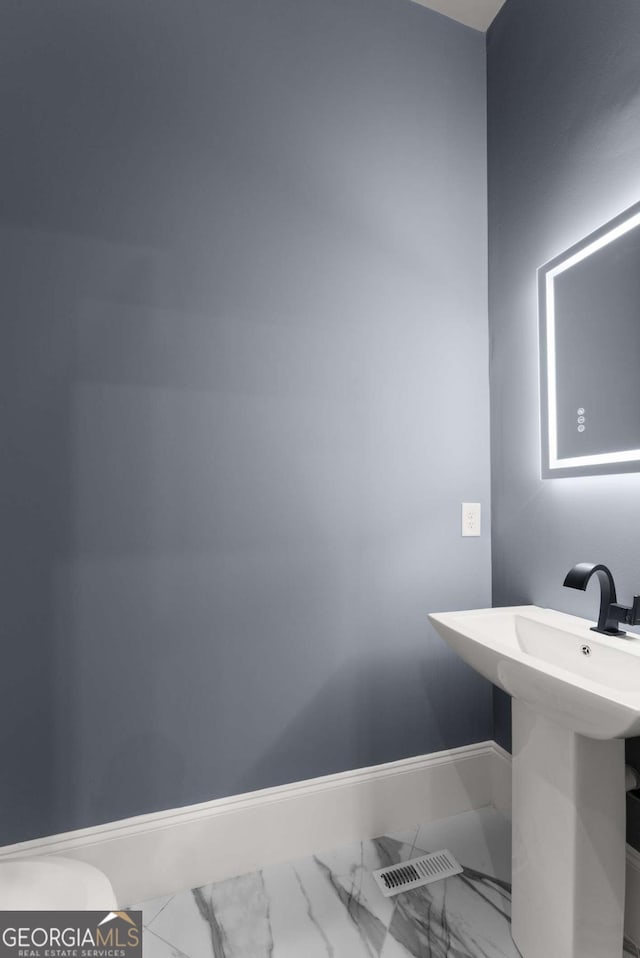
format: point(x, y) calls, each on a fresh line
point(552, 466)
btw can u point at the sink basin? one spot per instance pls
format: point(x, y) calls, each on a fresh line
point(588, 683)
point(575, 695)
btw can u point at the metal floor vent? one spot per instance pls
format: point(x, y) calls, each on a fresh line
point(416, 872)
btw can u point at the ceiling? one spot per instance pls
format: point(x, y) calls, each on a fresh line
point(475, 13)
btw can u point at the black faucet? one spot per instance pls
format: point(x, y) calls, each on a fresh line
point(610, 612)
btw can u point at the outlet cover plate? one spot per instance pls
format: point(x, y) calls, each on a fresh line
point(471, 519)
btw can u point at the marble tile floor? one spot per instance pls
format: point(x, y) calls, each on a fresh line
point(328, 905)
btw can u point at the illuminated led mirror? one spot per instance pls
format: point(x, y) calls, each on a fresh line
point(589, 301)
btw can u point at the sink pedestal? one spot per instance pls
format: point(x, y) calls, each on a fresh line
point(569, 851)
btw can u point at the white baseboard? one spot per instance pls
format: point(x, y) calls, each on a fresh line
point(160, 853)
point(500, 761)
point(156, 854)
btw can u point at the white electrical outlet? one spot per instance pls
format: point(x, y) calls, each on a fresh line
point(470, 518)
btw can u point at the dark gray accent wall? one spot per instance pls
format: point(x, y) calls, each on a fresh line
point(564, 157)
point(243, 392)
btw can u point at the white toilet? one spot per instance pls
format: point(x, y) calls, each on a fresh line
point(54, 884)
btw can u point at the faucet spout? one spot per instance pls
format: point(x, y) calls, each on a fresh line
point(578, 577)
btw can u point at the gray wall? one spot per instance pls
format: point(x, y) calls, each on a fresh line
point(244, 390)
point(564, 157)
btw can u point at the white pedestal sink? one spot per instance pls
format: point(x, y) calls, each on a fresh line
point(575, 697)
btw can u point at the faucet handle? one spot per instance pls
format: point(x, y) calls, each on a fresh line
point(620, 612)
point(623, 614)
